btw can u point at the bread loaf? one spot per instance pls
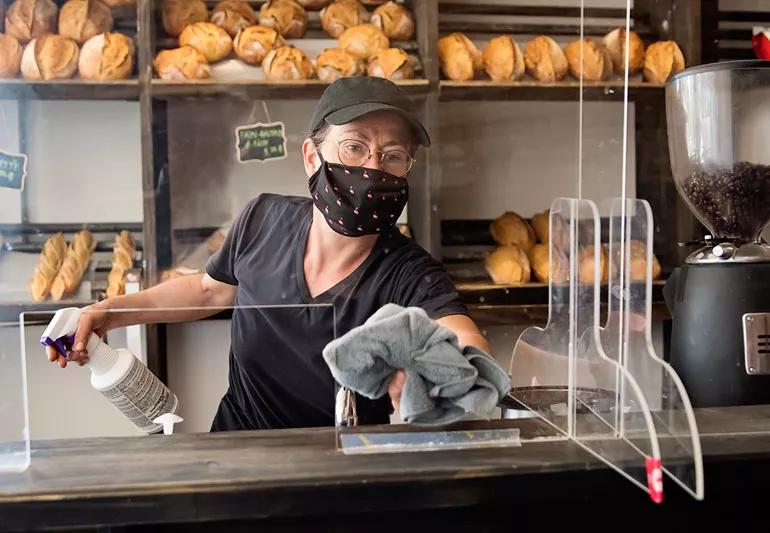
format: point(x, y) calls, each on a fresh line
point(508, 265)
point(48, 265)
point(179, 64)
point(82, 19)
point(615, 42)
point(74, 266)
point(395, 20)
point(208, 39)
point(545, 60)
point(10, 56)
point(233, 16)
point(540, 223)
point(364, 40)
point(460, 59)
point(637, 262)
point(509, 228)
point(587, 262)
point(661, 60)
point(335, 63)
point(539, 263)
point(596, 62)
point(503, 60)
point(287, 17)
point(391, 63)
point(123, 253)
point(314, 5)
point(119, 3)
point(287, 63)
point(252, 44)
point(28, 19)
point(341, 15)
point(109, 56)
point(178, 14)
point(50, 57)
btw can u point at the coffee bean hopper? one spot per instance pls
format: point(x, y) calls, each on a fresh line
point(719, 139)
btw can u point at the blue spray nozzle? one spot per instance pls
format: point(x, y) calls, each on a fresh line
point(60, 332)
point(63, 345)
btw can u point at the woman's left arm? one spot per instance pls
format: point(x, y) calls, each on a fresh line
point(467, 332)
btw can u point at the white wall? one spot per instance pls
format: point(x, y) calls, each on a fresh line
point(499, 156)
point(84, 161)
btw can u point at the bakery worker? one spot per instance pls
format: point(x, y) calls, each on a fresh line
point(339, 246)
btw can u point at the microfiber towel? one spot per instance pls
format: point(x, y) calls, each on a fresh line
point(444, 383)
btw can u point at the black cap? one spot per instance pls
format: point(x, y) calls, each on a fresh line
point(349, 98)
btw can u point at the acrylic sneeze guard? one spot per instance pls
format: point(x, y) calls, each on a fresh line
point(275, 322)
point(14, 406)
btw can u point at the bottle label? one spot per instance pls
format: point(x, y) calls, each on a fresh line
point(141, 397)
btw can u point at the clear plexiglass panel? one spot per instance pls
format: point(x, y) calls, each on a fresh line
point(542, 367)
point(116, 396)
point(14, 434)
point(627, 339)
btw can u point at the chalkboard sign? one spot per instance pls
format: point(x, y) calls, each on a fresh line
point(13, 170)
point(260, 142)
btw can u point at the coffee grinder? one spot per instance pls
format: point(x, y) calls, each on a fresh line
point(718, 119)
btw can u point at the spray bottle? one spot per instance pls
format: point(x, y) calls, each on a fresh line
point(121, 377)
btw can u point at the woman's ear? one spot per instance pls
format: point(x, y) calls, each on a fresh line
point(310, 157)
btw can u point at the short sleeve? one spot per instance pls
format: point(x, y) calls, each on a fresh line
point(424, 283)
point(221, 265)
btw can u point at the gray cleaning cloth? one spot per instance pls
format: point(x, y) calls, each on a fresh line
point(443, 382)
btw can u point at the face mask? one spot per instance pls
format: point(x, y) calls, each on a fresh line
point(358, 201)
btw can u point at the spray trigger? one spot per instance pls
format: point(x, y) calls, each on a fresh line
point(168, 420)
point(60, 332)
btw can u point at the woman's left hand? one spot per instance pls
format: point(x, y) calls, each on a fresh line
point(395, 387)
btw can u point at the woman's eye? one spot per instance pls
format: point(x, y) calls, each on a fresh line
point(395, 157)
point(354, 148)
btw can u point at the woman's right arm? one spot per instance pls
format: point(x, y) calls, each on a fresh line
point(198, 297)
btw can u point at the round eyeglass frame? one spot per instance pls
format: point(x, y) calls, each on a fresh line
point(369, 156)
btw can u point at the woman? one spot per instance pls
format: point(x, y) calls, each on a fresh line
point(339, 247)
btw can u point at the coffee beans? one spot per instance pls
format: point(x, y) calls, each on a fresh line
point(734, 201)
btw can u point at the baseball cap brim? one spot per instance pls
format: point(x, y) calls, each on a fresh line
point(352, 112)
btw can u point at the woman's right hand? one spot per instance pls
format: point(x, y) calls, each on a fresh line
point(93, 319)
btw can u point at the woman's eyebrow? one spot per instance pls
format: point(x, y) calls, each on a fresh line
point(398, 144)
point(356, 133)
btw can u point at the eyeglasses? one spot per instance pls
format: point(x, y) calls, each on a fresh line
point(354, 153)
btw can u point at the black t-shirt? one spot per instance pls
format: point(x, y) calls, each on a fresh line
point(278, 378)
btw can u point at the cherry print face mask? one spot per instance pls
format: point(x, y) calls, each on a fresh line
point(357, 201)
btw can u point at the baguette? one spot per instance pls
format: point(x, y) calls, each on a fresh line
point(49, 263)
point(74, 266)
point(123, 253)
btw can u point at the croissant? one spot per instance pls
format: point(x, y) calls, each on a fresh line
point(49, 263)
point(123, 253)
point(75, 264)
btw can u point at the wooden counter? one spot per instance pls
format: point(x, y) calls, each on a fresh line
point(291, 479)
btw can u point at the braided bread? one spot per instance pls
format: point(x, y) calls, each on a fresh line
point(123, 253)
point(74, 266)
point(51, 258)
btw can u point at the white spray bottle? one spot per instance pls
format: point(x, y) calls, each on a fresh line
point(121, 377)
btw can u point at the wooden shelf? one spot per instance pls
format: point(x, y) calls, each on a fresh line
point(498, 305)
point(297, 90)
point(69, 90)
point(487, 293)
point(568, 90)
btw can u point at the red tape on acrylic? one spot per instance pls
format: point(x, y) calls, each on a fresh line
point(655, 479)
